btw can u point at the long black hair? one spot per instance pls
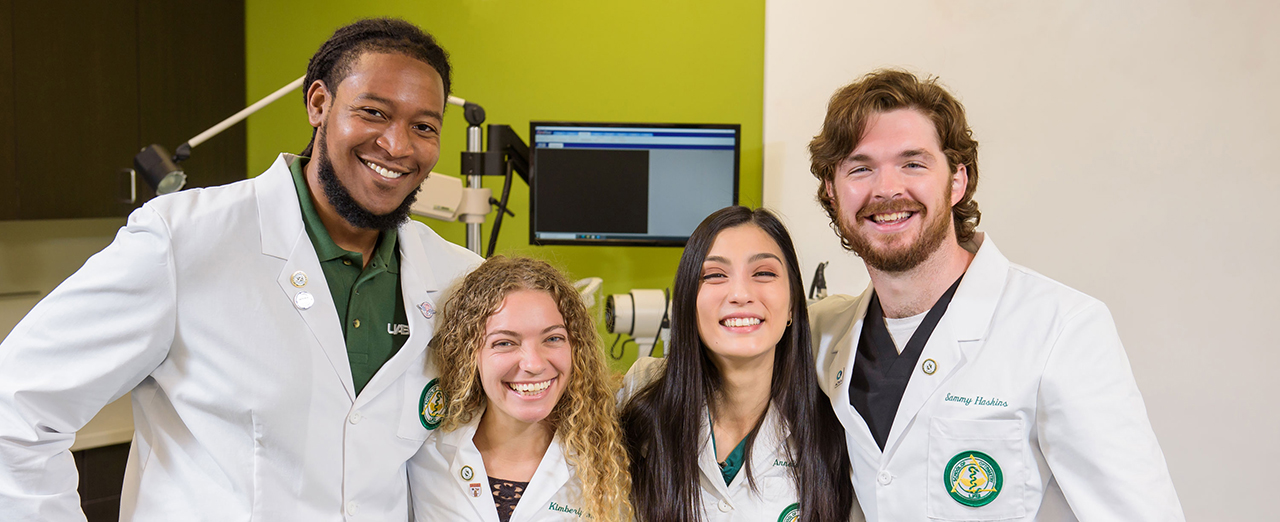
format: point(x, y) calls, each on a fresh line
point(662, 422)
point(334, 59)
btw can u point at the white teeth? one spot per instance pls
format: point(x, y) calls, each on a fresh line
point(741, 321)
point(383, 172)
point(532, 388)
point(894, 216)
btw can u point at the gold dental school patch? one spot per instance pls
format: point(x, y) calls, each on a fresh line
point(431, 405)
point(973, 478)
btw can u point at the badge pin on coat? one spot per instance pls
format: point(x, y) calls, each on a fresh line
point(426, 309)
point(929, 366)
point(304, 300)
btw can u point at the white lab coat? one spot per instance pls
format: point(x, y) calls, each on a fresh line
point(1060, 411)
point(449, 482)
point(243, 402)
point(776, 492)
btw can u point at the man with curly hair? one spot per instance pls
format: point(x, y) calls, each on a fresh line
point(970, 388)
point(273, 332)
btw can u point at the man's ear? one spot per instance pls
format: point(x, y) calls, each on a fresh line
point(959, 183)
point(826, 185)
point(319, 99)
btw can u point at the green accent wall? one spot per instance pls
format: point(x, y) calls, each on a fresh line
point(666, 61)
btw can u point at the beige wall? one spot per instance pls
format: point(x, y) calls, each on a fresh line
point(35, 256)
point(1127, 149)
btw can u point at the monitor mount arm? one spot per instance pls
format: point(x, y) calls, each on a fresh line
point(506, 154)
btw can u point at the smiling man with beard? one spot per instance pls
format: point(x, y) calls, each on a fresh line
point(273, 332)
point(970, 388)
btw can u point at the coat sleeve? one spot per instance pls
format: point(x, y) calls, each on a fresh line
point(87, 343)
point(1093, 427)
point(644, 371)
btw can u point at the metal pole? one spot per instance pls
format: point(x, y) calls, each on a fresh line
point(474, 135)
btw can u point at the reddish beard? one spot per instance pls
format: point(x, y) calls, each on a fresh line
point(900, 259)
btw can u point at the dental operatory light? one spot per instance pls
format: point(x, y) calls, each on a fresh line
point(160, 169)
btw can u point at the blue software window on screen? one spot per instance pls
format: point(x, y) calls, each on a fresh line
point(628, 183)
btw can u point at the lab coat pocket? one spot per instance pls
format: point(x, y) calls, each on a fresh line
point(977, 469)
point(778, 499)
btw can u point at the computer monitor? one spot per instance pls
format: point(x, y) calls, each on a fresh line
point(628, 183)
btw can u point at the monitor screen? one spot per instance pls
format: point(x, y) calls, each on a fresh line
point(628, 183)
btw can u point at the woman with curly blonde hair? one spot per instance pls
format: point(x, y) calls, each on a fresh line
point(527, 427)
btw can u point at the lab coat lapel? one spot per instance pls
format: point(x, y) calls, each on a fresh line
point(771, 440)
point(945, 351)
point(284, 236)
point(465, 461)
point(419, 288)
point(975, 301)
point(279, 213)
point(840, 380)
point(957, 337)
point(551, 476)
point(707, 459)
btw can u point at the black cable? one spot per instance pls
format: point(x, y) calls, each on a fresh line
point(622, 350)
point(502, 209)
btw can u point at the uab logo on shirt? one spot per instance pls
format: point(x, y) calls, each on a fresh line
point(973, 478)
point(790, 514)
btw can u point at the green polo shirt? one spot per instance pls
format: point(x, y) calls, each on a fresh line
point(368, 299)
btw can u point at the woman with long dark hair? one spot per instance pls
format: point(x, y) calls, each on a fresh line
point(731, 424)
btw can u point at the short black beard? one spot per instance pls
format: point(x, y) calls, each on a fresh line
point(347, 206)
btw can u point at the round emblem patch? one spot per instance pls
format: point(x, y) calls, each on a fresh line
point(929, 366)
point(973, 478)
point(431, 405)
point(790, 514)
point(466, 473)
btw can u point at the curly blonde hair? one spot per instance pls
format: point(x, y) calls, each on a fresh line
point(585, 416)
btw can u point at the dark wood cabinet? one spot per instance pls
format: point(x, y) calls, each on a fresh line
point(8, 176)
point(101, 480)
point(91, 82)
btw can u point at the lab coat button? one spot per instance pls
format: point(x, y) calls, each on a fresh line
point(355, 417)
point(352, 507)
point(725, 507)
point(884, 478)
